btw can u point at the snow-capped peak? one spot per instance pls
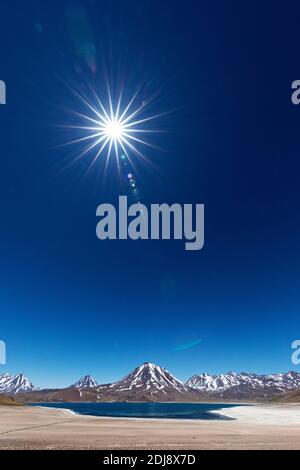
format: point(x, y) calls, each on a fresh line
point(85, 382)
point(149, 377)
point(12, 384)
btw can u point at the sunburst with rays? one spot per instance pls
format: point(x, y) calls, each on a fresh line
point(115, 129)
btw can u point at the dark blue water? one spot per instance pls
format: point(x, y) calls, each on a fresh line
point(145, 410)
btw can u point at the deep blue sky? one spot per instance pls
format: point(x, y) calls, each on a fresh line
point(71, 304)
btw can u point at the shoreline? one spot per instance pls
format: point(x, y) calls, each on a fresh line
point(287, 415)
point(264, 415)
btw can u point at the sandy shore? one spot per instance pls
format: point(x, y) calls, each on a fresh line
point(255, 427)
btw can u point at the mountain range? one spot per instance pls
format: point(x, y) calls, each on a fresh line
point(150, 382)
point(245, 385)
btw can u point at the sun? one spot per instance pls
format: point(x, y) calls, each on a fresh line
point(120, 127)
point(114, 129)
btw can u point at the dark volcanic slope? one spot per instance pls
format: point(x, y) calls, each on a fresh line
point(8, 401)
point(58, 395)
point(291, 397)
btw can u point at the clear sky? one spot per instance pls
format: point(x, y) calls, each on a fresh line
point(71, 304)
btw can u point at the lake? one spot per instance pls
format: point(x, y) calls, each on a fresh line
point(206, 411)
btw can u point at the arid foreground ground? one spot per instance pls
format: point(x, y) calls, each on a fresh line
point(255, 427)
